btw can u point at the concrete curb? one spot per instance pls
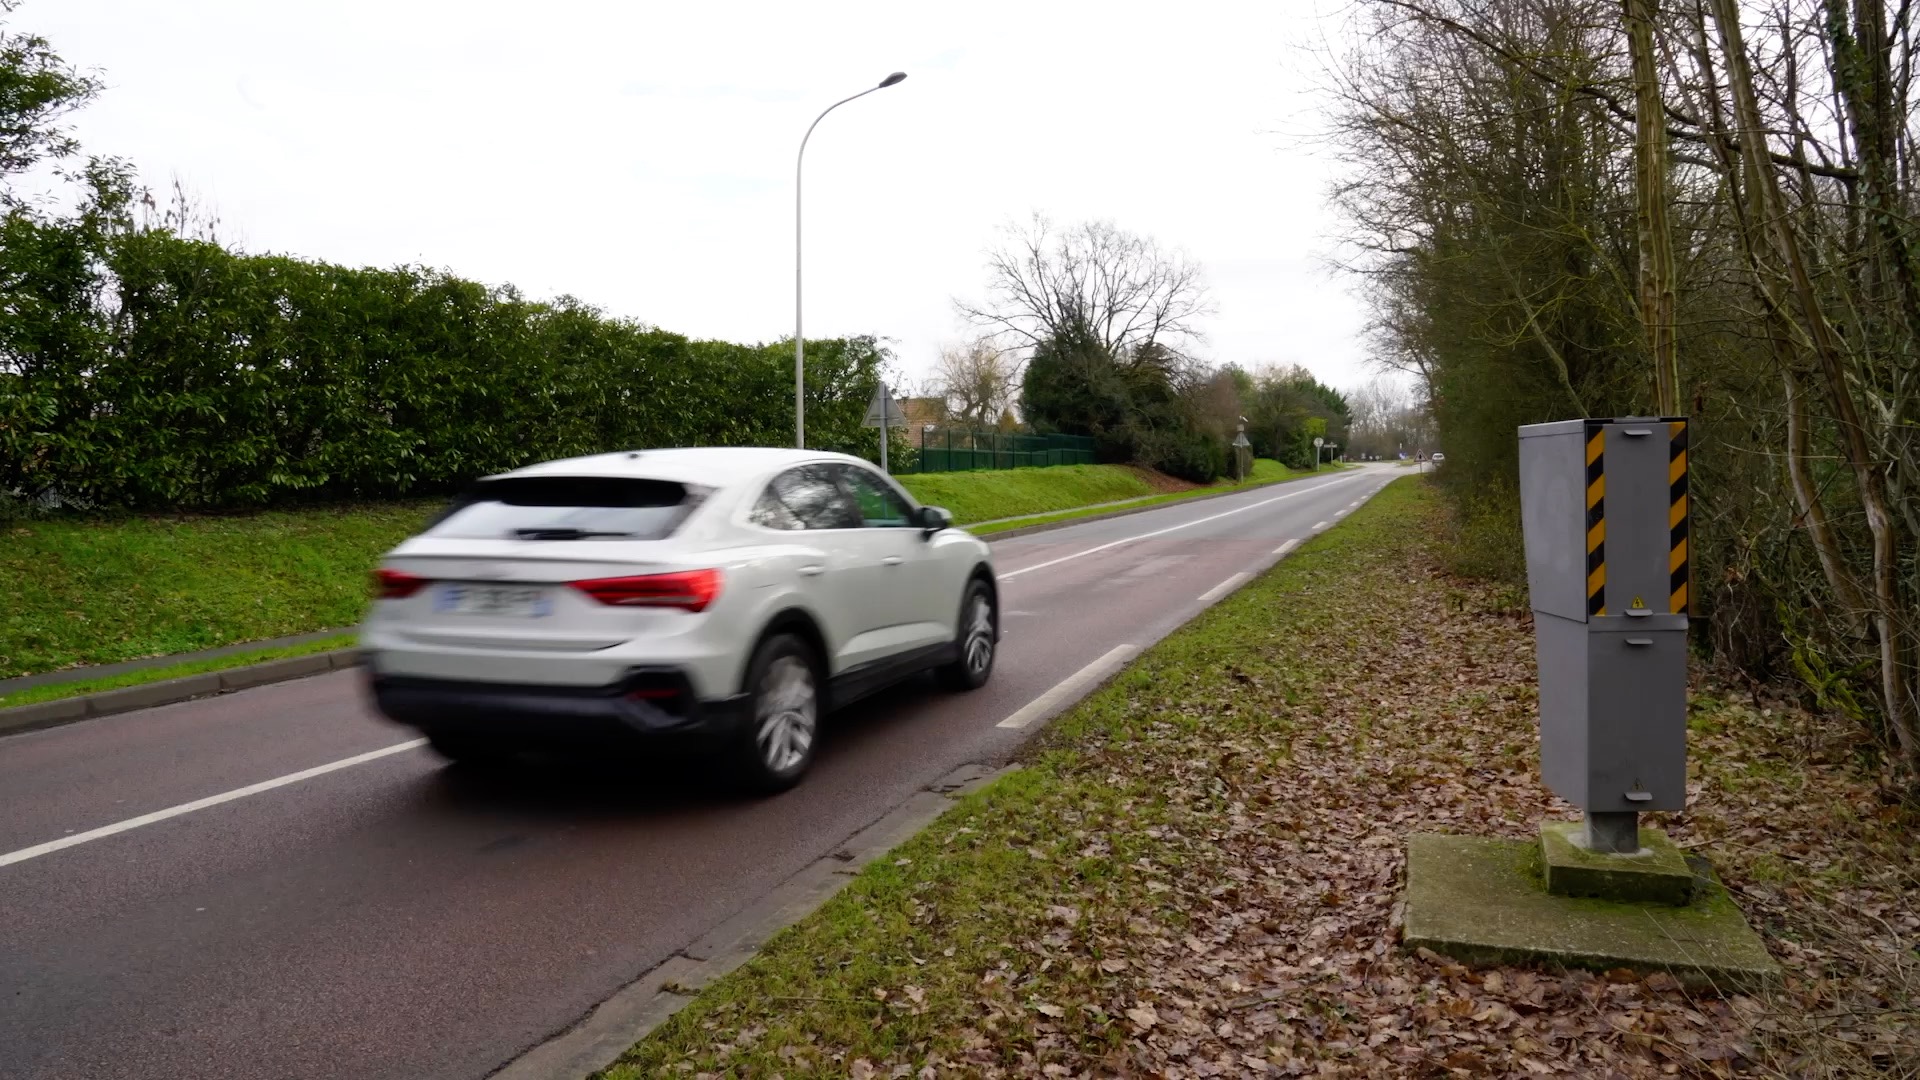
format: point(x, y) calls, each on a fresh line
point(146, 663)
point(631, 1014)
point(24, 718)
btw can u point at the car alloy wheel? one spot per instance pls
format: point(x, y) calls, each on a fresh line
point(978, 651)
point(786, 714)
point(976, 638)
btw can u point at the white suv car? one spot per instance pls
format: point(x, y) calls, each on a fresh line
point(724, 596)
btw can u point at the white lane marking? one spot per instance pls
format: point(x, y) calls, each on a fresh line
point(1340, 513)
point(1318, 525)
point(1223, 588)
point(1066, 688)
point(1286, 547)
point(1353, 504)
point(1163, 532)
point(104, 831)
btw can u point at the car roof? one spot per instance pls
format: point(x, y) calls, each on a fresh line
point(709, 466)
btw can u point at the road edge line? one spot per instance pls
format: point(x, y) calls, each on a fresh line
point(193, 806)
point(1207, 598)
point(1070, 689)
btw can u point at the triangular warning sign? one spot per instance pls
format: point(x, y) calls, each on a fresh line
point(885, 409)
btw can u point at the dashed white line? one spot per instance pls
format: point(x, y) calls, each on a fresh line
point(1223, 588)
point(131, 823)
point(1163, 532)
point(1066, 688)
point(1318, 525)
point(1286, 547)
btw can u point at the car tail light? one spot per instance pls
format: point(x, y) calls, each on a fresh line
point(396, 584)
point(688, 590)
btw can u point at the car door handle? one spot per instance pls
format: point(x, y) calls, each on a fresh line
point(813, 570)
point(891, 560)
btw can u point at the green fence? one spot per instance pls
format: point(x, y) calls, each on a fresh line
point(960, 450)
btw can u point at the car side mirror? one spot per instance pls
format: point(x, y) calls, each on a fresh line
point(934, 518)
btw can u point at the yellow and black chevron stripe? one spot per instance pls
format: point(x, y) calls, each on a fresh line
point(1679, 594)
point(1596, 520)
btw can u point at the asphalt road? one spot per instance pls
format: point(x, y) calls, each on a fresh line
point(392, 918)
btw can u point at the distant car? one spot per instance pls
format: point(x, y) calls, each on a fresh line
point(1438, 457)
point(727, 598)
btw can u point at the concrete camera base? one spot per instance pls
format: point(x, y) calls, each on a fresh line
point(1656, 874)
point(1485, 902)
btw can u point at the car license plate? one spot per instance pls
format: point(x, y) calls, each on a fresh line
point(510, 601)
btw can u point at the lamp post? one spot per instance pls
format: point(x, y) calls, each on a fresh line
point(799, 341)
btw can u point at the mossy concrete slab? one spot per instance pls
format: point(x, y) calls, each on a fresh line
point(1483, 901)
point(1656, 874)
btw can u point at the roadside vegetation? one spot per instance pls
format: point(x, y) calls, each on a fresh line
point(1520, 263)
point(1196, 872)
point(100, 591)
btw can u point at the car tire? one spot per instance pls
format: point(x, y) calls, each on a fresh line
point(469, 751)
point(776, 743)
point(978, 636)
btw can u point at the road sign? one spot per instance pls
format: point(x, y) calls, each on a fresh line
point(883, 407)
point(1319, 442)
point(1240, 440)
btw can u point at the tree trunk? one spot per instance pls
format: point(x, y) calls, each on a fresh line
point(1650, 183)
point(1837, 366)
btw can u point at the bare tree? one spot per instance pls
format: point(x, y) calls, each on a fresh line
point(1650, 186)
point(1387, 418)
point(1122, 288)
point(977, 380)
point(1506, 187)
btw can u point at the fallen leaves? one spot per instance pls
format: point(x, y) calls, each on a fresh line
point(1200, 876)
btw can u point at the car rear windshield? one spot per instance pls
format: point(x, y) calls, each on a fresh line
point(568, 508)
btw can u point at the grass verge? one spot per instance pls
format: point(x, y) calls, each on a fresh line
point(35, 695)
point(95, 592)
point(1197, 873)
point(978, 496)
point(1264, 472)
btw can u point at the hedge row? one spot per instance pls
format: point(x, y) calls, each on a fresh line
point(142, 370)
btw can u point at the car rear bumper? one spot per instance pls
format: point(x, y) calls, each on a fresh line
point(650, 704)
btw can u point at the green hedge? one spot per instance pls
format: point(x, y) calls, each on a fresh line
point(142, 370)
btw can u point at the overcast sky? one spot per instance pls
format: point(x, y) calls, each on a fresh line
point(639, 155)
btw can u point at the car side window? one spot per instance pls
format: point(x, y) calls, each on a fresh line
point(812, 495)
point(771, 513)
point(880, 506)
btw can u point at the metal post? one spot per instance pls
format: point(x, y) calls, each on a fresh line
point(886, 399)
point(1613, 833)
point(799, 341)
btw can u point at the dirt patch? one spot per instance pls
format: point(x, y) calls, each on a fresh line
point(1160, 482)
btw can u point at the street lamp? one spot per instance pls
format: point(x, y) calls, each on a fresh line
point(799, 341)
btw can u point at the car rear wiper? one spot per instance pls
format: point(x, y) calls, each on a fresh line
point(563, 532)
